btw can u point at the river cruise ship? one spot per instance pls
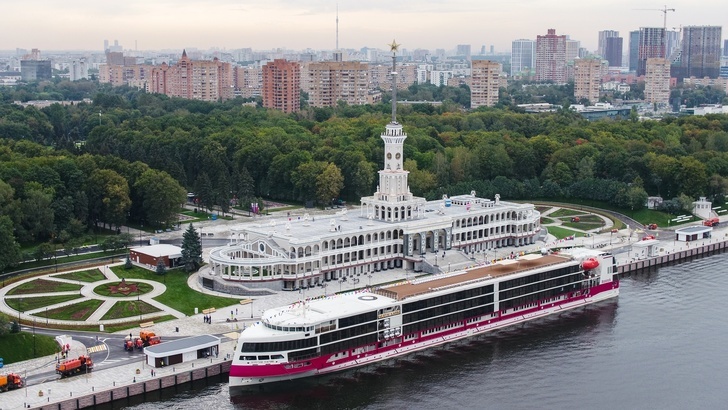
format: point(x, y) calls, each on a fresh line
point(334, 333)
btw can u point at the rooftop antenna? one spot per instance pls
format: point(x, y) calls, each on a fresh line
point(394, 47)
point(337, 26)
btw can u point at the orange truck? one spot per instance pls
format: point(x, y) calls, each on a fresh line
point(149, 338)
point(10, 381)
point(128, 344)
point(73, 366)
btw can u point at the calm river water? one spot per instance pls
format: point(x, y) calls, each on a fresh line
point(662, 344)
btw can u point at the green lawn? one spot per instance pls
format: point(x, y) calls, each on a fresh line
point(77, 311)
point(114, 289)
point(44, 286)
point(561, 233)
point(545, 220)
point(564, 212)
point(91, 275)
point(129, 309)
point(25, 304)
point(16, 347)
point(584, 226)
point(201, 216)
point(178, 296)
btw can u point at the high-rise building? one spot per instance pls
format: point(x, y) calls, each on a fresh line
point(551, 57)
point(602, 44)
point(484, 83)
point(725, 48)
point(282, 85)
point(651, 45)
point(78, 69)
point(587, 79)
point(332, 81)
point(380, 76)
point(634, 45)
point(657, 81)
point(523, 55)
point(463, 50)
point(613, 51)
point(248, 81)
point(572, 50)
point(193, 79)
point(700, 55)
point(672, 43)
point(33, 68)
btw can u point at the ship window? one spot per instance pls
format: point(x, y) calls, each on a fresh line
point(276, 356)
point(263, 357)
point(247, 358)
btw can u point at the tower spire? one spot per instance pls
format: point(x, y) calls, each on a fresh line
point(394, 47)
point(337, 26)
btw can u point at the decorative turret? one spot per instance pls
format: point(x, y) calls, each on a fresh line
point(393, 200)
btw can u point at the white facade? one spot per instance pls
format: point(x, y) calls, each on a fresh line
point(440, 77)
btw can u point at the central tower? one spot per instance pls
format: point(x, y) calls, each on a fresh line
point(393, 200)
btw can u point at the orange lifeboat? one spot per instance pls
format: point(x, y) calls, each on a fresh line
point(589, 264)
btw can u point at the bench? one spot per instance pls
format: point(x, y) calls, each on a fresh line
point(146, 324)
point(246, 301)
point(207, 311)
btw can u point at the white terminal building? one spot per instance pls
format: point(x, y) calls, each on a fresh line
point(393, 229)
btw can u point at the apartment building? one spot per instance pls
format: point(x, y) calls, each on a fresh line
point(587, 79)
point(657, 81)
point(484, 83)
point(551, 57)
point(332, 81)
point(282, 85)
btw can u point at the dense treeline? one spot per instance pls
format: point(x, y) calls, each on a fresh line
point(140, 150)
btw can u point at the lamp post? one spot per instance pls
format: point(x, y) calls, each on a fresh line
point(140, 234)
point(251, 308)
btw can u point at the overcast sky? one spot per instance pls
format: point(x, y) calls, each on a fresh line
point(300, 24)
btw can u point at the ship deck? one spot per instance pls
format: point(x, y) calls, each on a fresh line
point(505, 267)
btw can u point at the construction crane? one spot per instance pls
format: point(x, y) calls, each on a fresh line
point(664, 11)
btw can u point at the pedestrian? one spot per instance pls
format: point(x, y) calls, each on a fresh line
point(236, 311)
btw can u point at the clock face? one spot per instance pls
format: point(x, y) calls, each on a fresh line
point(389, 155)
point(397, 156)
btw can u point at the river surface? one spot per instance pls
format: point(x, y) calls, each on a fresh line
point(662, 344)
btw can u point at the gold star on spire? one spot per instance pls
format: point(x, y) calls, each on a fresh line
point(394, 47)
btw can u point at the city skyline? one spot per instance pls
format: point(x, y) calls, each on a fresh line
point(302, 24)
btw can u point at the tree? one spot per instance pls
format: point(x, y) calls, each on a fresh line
point(43, 251)
point(191, 249)
point(162, 197)
point(108, 194)
point(329, 184)
point(4, 325)
point(204, 191)
point(161, 267)
point(10, 250)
